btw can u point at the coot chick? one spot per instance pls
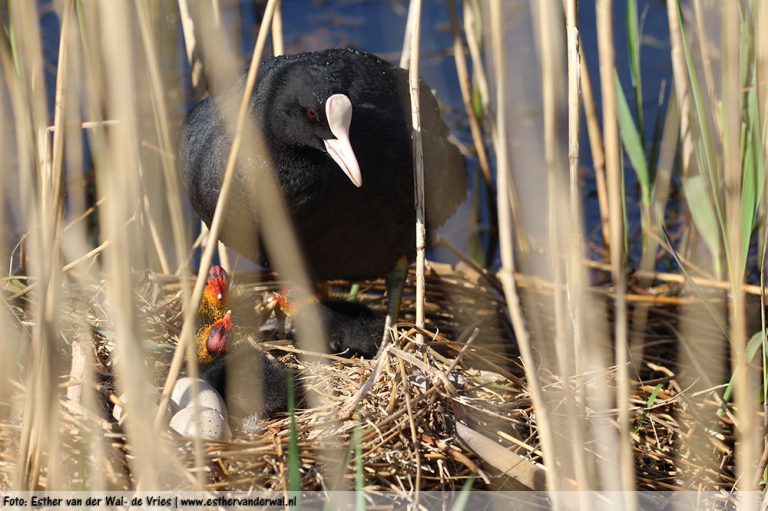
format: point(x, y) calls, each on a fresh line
point(353, 329)
point(338, 126)
point(229, 366)
point(212, 303)
point(212, 340)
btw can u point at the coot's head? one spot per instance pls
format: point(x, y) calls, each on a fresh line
point(308, 110)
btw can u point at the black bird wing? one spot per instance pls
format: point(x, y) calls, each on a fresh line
point(445, 175)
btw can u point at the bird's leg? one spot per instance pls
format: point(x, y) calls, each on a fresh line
point(395, 283)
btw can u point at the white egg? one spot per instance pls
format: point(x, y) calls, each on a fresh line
point(181, 395)
point(202, 422)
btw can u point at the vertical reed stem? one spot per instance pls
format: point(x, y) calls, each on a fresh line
point(185, 338)
point(190, 44)
point(731, 120)
point(278, 43)
point(506, 244)
point(576, 280)
point(475, 130)
point(605, 39)
point(596, 145)
point(682, 91)
point(418, 164)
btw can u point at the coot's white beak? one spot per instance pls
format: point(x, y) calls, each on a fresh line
point(338, 111)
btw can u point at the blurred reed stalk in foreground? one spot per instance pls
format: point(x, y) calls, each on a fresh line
point(114, 82)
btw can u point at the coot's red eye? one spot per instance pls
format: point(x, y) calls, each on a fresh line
point(311, 114)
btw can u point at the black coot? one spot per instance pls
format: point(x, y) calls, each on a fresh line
point(337, 123)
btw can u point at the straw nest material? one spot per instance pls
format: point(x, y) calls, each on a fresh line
point(437, 414)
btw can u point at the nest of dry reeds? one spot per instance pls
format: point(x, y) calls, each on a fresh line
point(455, 407)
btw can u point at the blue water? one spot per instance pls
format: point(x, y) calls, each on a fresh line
point(656, 73)
point(378, 27)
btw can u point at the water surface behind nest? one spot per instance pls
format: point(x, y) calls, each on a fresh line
point(378, 27)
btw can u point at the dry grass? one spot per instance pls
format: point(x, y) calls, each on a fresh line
point(479, 383)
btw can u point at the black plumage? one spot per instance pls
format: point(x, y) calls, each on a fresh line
point(251, 381)
point(353, 226)
point(352, 328)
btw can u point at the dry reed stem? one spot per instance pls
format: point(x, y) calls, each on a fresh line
point(8, 344)
point(521, 236)
point(662, 184)
point(74, 147)
point(466, 97)
point(418, 162)
point(532, 476)
point(682, 89)
point(475, 128)
point(154, 233)
point(185, 338)
point(39, 213)
point(746, 458)
point(118, 159)
point(406, 384)
point(761, 69)
point(473, 43)
point(576, 275)
point(405, 53)
point(59, 116)
point(596, 146)
point(706, 63)
point(507, 272)
point(199, 84)
point(604, 11)
point(550, 53)
point(190, 44)
point(574, 77)
point(661, 187)
point(551, 44)
point(278, 42)
point(216, 9)
point(162, 127)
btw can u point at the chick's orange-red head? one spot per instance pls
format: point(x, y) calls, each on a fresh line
point(279, 299)
point(218, 337)
point(284, 301)
point(213, 340)
point(218, 283)
point(212, 305)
